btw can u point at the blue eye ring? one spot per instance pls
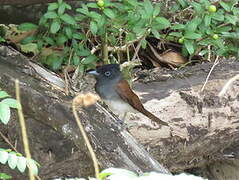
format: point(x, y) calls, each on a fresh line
point(107, 73)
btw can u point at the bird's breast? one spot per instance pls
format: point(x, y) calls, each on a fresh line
point(118, 106)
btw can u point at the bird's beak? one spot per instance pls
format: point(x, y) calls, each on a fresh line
point(93, 72)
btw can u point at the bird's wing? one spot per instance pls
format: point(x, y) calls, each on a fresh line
point(124, 91)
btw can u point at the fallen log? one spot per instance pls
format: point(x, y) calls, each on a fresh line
point(204, 126)
point(55, 140)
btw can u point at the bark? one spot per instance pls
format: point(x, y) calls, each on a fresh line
point(204, 127)
point(202, 137)
point(54, 137)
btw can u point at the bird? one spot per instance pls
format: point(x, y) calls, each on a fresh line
point(115, 91)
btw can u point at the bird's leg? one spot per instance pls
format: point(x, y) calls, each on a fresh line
point(122, 118)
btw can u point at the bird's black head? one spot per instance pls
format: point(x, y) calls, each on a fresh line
point(107, 72)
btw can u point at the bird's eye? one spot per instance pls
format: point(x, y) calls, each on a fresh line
point(107, 73)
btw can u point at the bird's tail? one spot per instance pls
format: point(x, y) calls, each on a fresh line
point(154, 118)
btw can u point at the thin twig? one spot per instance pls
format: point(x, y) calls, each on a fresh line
point(227, 85)
point(214, 64)
point(209, 53)
point(23, 129)
point(92, 153)
point(7, 141)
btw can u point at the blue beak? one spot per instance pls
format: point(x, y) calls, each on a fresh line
point(93, 72)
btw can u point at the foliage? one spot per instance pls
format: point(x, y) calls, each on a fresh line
point(2, 33)
point(16, 160)
point(208, 25)
point(5, 176)
point(5, 104)
point(73, 38)
point(13, 159)
point(117, 173)
point(105, 26)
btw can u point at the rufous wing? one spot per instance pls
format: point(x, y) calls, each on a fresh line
point(124, 91)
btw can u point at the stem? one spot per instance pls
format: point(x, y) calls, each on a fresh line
point(92, 153)
point(105, 49)
point(23, 129)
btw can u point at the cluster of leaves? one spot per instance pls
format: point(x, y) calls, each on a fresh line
point(64, 39)
point(16, 160)
point(209, 25)
point(5, 104)
point(13, 159)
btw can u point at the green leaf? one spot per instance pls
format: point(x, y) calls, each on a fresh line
point(54, 61)
point(96, 16)
point(219, 15)
point(225, 6)
point(2, 39)
point(198, 8)
point(52, 6)
point(89, 59)
point(156, 10)
point(5, 176)
point(176, 34)
point(108, 12)
point(61, 8)
point(224, 29)
point(92, 5)
point(76, 60)
point(12, 160)
point(68, 6)
point(30, 47)
point(156, 33)
point(192, 25)
point(50, 15)
point(49, 40)
point(4, 94)
point(55, 27)
point(192, 35)
point(232, 35)
point(189, 46)
point(134, 3)
point(13, 103)
point(83, 11)
point(148, 7)
point(79, 36)
point(231, 19)
point(32, 164)
point(80, 17)
point(84, 52)
point(178, 26)
point(93, 27)
point(61, 39)
point(183, 3)
point(130, 36)
point(122, 172)
point(68, 19)
point(162, 22)
point(21, 164)
point(4, 113)
point(207, 20)
point(42, 21)
point(144, 43)
point(68, 31)
point(139, 30)
point(27, 27)
point(28, 39)
point(3, 156)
